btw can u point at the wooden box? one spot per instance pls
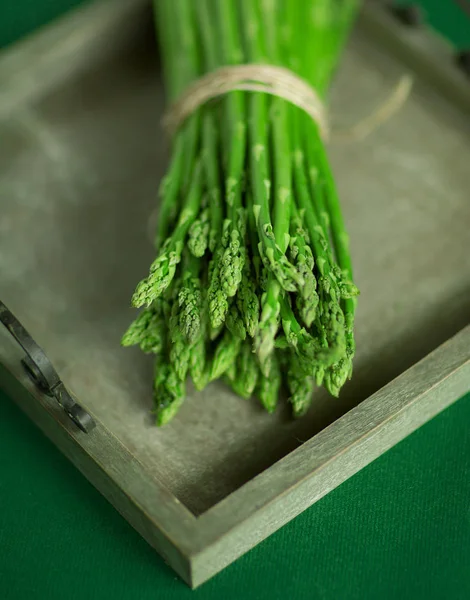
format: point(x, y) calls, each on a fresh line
point(80, 160)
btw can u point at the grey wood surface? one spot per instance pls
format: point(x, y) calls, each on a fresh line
point(80, 161)
point(153, 511)
point(322, 463)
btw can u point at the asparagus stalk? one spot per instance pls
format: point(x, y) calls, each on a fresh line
point(268, 388)
point(190, 301)
point(210, 138)
point(227, 277)
point(246, 284)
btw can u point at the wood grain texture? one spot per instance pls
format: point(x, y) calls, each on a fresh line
point(434, 62)
point(78, 180)
point(155, 513)
point(197, 548)
point(304, 476)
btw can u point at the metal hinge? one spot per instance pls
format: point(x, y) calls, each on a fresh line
point(43, 374)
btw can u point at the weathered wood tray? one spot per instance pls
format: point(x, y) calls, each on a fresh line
point(81, 155)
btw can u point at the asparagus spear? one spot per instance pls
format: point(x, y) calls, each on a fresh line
point(302, 258)
point(268, 388)
point(248, 208)
point(198, 366)
point(198, 235)
point(272, 255)
point(190, 301)
point(300, 388)
point(179, 349)
point(225, 354)
point(246, 372)
point(210, 137)
point(247, 299)
point(163, 268)
point(168, 392)
point(232, 257)
point(136, 331)
point(234, 323)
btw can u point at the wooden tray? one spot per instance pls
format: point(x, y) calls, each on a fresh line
point(80, 161)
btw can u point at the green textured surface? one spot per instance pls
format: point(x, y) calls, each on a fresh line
point(398, 529)
point(20, 17)
point(446, 17)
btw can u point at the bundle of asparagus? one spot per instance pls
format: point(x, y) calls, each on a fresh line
point(252, 281)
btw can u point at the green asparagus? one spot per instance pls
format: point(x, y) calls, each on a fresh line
point(252, 281)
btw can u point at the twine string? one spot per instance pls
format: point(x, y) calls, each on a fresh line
point(270, 79)
point(283, 83)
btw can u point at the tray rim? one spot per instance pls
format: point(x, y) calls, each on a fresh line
point(199, 547)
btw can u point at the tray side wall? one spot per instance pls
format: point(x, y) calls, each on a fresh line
point(82, 165)
point(123, 482)
point(295, 483)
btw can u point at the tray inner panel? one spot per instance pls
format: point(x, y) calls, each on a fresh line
point(79, 171)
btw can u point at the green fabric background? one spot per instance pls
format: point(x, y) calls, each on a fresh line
point(398, 529)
